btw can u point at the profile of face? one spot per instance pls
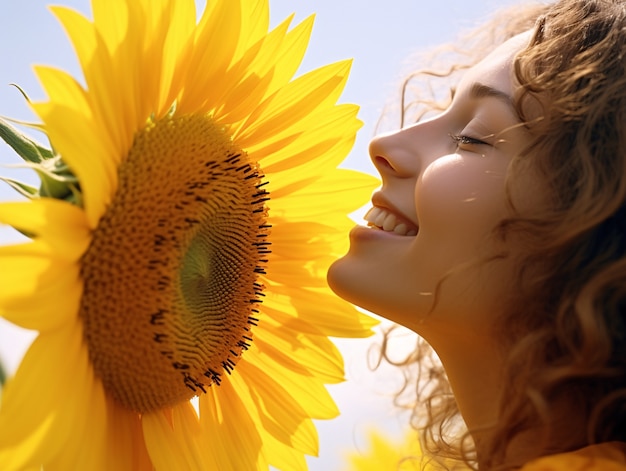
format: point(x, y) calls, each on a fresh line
point(442, 194)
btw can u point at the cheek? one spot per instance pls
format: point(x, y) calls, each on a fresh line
point(460, 199)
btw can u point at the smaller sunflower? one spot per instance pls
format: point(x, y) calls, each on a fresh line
point(385, 453)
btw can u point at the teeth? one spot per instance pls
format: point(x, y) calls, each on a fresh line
point(372, 214)
point(400, 229)
point(380, 219)
point(388, 222)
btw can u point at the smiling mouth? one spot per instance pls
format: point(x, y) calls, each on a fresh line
point(380, 218)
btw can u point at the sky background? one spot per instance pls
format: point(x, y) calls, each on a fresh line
point(379, 35)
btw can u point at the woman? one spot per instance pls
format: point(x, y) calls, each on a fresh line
point(499, 236)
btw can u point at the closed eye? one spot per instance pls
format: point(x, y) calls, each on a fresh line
point(463, 140)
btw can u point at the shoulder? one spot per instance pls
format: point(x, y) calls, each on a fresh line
point(604, 457)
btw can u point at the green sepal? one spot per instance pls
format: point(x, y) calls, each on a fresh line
point(3, 375)
point(26, 148)
point(57, 180)
point(23, 189)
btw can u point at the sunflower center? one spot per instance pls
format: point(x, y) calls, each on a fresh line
point(171, 276)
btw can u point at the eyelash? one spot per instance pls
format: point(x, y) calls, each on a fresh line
point(460, 139)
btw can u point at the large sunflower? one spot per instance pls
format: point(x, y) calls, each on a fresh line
point(206, 181)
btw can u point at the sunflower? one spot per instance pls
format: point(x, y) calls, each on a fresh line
point(384, 453)
point(175, 268)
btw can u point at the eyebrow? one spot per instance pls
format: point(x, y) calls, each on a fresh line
point(480, 90)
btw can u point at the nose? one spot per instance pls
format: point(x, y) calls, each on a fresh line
point(394, 154)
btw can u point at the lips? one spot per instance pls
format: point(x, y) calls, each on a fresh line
point(383, 219)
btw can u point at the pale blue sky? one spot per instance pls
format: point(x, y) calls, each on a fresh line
point(378, 34)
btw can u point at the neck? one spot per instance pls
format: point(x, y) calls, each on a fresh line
point(473, 366)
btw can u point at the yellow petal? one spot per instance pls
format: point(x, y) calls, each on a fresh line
point(90, 405)
point(308, 391)
point(327, 152)
point(319, 139)
point(126, 449)
point(181, 19)
point(302, 241)
point(282, 457)
point(281, 413)
point(255, 20)
point(62, 225)
point(111, 111)
point(46, 401)
point(37, 291)
point(172, 439)
point(289, 57)
point(217, 36)
point(343, 190)
point(226, 420)
point(328, 313)
point(294, 101)
point(302, 354)
point(105, 96)
point(81, 142)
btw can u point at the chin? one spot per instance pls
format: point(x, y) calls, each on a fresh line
point(336, 277)
point(350, 282)
point(345, 281)
point(356, 282)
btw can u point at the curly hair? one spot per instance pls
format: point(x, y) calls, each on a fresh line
point(563, 330)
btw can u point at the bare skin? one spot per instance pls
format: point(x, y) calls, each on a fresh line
point(443, 192)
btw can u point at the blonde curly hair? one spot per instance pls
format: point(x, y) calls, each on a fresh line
point(563, 330)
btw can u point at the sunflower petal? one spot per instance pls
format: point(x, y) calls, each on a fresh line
point(181, 19)
point(289, 57)
point(344, 190)
point(75, 136)
point(90, 406)
point(35, 428)
point(105, 96)
point(281, 414)
point(294, 101)
point(113, 100)
point(172, 439)
point(37, 291)
point(317, 139)
point(126, 448)
point(308, 355)
point(225, 417)
point(217, 37)
point(60, 224)
point(330, 315)
point(255, 21)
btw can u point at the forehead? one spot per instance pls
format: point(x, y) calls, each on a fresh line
point(495, 70)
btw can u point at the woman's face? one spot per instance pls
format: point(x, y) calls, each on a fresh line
point(443, 192)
